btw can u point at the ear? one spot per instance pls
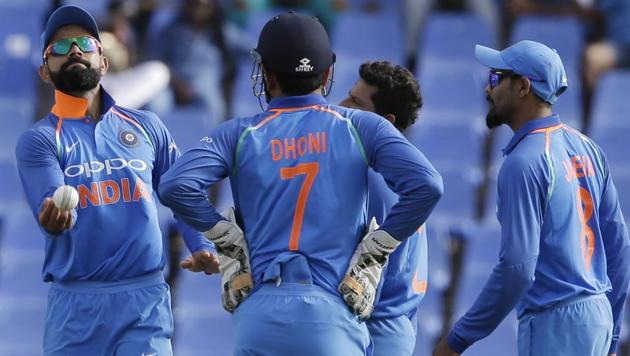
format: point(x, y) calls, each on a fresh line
point(524, 87)
point(44, 73)
point(104, 65)
point(390, 117)
point(270, 79)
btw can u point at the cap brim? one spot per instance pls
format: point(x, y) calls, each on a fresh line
point(490, 58)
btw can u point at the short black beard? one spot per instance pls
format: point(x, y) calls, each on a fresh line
point(76, 79)
point(493, 120)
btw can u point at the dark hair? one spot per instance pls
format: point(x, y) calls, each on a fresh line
point(398, 91)
point(294, 86)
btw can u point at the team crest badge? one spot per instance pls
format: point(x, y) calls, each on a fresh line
point(128, 138)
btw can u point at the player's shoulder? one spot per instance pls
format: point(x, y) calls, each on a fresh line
point(353, 114)
point(142, 116)
point(43, 129)
point(41, 132)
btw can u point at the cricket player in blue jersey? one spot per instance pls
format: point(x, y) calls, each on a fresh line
point(105, 257)
point(393, 92)
point(564, 261)
point(294, 255)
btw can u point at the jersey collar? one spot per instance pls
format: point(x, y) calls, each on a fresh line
point(72, 107)
point(530, 126)
point(285, 102)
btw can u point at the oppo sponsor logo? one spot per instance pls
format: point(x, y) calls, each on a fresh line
point(107, 166)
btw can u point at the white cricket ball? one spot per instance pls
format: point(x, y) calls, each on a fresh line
point(66, 197)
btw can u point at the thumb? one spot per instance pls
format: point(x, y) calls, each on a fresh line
point(188, 263)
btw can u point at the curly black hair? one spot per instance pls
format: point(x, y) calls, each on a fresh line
point(398, 91)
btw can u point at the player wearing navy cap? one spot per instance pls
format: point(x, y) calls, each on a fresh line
point(299, 177)
point(104, 258)
point(564, 261)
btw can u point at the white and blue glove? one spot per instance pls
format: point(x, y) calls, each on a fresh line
point(234, 265)
point(358, 287)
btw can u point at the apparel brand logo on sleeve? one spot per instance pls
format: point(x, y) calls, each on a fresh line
point(206, 139)
point(304, 67)
point(71, 148)
point(172, 147)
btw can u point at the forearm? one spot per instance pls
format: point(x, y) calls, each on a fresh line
point(189, 202)
point(504, 289)
point(415, 205)
point(193, 239)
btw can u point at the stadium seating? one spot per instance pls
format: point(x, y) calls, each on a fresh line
point(566, 35)
point(610, 126)
point(368, 36)
point(188, 125)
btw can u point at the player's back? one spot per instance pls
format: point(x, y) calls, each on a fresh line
point(300, 184)
point(572, 260)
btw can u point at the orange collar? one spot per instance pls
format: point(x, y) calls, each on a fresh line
point(69, 107)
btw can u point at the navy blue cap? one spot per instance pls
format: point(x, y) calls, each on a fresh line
point(541, 64)
point(295, 44)
point(68, 15)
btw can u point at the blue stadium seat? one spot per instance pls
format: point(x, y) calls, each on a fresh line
point(16, 114)
point(610, 102)
point(368, 36)
point(200, 318)
point(244, 103)
point(451, 80)
point(565, 34)
point(614, 142)
point(446, 144)
point(449, 40)
point(20, 52)
point(22, 324)
point(457, 204)
point(621, 177)
point(188, 125)
point(345, 75)
point(10, 187)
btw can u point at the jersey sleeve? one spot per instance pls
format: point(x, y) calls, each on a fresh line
point(39, 170)
point(166, 153)
point(184, 187)
point(522, 200)
point(617, 249)
point(405, 170)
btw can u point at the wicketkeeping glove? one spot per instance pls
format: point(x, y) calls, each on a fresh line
point(358, 287)
point(236, 274)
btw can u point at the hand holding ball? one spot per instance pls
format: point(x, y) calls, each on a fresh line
point(66, 198)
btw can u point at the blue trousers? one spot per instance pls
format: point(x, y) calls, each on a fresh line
point(289, 315)
point(130, 317)
point(582, 327)
point(393, 336)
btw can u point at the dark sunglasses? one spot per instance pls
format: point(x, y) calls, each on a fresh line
point(62, 47)
point(495, 76)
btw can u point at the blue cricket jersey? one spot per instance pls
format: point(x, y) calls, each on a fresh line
point(115, 164)
point(405, 278)
point(562, 232)
point(298, 173)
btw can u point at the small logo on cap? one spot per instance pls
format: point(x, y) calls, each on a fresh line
point(304, 67)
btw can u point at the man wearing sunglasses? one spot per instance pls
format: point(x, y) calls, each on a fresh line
point(105, 257)
point(392, 92)
point(565, 253)
point(298, 173)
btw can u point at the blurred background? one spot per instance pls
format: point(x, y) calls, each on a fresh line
point(188, 61)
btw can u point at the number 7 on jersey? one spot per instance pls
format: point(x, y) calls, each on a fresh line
point(309, 169)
